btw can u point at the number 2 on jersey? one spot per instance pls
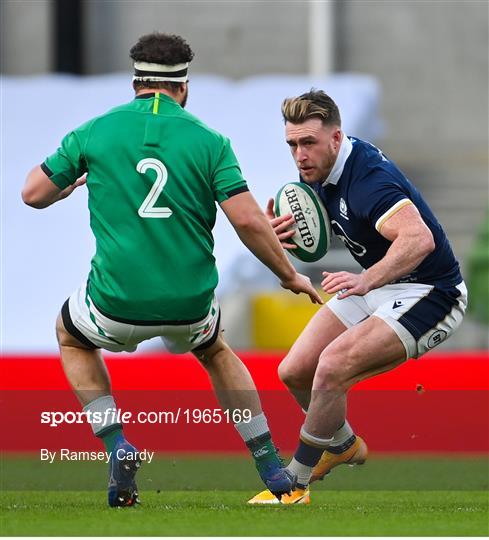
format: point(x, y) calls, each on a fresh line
point(148, 208)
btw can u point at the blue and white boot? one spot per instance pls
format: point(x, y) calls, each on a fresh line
point(278, 480)
point(123, 465)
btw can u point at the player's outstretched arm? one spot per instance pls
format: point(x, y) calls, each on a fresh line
point(40, 192)
point(257, 235)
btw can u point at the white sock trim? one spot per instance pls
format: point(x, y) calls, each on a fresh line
point(315, 441)
point(342, 435)
point(101, 413)
point(303, 472)
point(257, 426)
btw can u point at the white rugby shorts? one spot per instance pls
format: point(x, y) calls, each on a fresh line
point(84, 321)
point(423, 316)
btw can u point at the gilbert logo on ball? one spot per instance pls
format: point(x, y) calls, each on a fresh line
point(312, 227)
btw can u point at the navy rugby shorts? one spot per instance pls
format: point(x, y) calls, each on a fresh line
point(423, 316)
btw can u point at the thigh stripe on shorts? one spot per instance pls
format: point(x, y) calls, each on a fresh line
point(94, 320)
point(213, 338)
point(429, 311)
point(72, 329)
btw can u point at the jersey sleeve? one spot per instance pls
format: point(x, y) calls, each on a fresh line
point(67, 163)
point(227, 179)
point(378, 196)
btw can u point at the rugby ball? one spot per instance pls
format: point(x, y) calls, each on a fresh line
point(312, 227)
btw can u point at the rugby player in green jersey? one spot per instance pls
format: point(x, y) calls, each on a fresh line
point(154, 174)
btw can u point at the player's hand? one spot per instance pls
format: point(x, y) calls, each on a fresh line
point(302, 284)
point(346, 283)
point(281, 225)
point(69, 190)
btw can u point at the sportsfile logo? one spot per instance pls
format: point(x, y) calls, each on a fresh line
point(55, 419)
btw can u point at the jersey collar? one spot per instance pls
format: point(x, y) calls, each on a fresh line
point(337, 170)
point(149, 95)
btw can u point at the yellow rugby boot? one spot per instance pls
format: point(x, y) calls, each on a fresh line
point(297, 496)
point(355, 455)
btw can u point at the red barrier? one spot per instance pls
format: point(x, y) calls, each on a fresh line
point(435, 371)
point(437, 403)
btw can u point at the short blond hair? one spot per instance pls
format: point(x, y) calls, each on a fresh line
point(312, 104)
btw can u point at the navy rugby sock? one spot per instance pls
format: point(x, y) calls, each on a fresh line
point(306, 457)
point(343, 439)
point(340, 448)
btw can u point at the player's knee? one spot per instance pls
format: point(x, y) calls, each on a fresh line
point(329, 377)
point(292, 375)
point(332, 371)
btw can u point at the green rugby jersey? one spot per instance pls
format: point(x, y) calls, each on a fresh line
point(154, 174)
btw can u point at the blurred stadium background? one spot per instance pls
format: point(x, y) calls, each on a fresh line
point(410, 76)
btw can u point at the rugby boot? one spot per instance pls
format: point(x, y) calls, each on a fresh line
point(278, 480)
point(296, 496)
point(355, 455)
point(123, 465)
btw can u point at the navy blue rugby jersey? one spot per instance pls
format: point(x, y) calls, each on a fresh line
point(362, 191)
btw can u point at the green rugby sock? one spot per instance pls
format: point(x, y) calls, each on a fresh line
point(256, 435)
point(264, 452)
point(111, 438)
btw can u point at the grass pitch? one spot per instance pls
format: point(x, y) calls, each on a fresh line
point(223, 513)
point(206, 496)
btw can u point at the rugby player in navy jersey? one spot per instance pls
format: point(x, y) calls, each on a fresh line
point(408, 299)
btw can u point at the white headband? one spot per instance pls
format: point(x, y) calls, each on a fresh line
point(147, 66)
point(146, 71)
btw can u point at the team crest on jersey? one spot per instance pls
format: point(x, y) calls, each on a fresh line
point(343, 209)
